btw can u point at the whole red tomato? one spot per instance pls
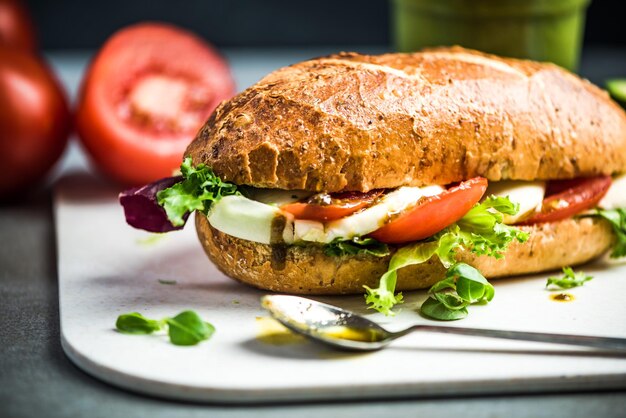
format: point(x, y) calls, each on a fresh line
point(146, 94)
point(34, 120)
point(16, 27)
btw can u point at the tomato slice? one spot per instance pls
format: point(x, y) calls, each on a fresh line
point(328, 207)
point(569, 197)
point(432, 214)
point(146, 94)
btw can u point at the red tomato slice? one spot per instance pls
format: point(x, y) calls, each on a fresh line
point(146, 94)
point(432, 214)
point(328, 207)
point(574, 197)
point(34, 120)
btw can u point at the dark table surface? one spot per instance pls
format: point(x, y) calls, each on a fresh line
point(37, 379)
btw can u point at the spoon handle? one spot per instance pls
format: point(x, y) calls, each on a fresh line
point(608, 343)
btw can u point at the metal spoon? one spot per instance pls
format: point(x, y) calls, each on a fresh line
point(346, 330)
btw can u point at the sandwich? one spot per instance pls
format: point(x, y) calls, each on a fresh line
point(353, 173)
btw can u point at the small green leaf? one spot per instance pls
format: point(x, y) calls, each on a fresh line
point(569, 279)
point(617, 219)
point(357, 245)
point(447, 283)
point(136, 323)
point(187, 328)
point(383, 297)
point(463, 286)
point(490, 292)
point(434, 309)
point(451, 300)
point(481, 230)
point(501, 204)
point(470, 284)
point(199, 189)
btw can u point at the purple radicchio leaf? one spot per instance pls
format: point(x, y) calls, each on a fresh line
point(142, 210)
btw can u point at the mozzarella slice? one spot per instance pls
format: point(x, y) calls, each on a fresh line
point(248, 219)
point(366, 221)
point(615, 198)
point(528, 194)
point(254, 221)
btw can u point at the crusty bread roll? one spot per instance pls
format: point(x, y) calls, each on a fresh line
point(352, 122)
point(357, 122)
point(307, 270)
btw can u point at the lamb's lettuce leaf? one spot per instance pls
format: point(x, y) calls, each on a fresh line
point(450, 297)
point(617, 219)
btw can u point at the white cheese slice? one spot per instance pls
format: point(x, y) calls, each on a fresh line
point(615, 198)
point(366, 221)
point(528, 194)
point(252, 220)
point(248, 219)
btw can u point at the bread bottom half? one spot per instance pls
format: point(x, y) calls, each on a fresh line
point(307, 269)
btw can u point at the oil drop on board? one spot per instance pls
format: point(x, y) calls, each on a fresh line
point(562, 297)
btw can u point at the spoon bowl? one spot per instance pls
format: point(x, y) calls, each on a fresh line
point(326, 323)
point(346, 330)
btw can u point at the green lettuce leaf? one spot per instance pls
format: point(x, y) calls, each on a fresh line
point(569, 279)
point(481, 230)
point(356, 245)
point(433, 308)
point(383, 298)
point(617, 219)
point(198, 190)
point(450, 297)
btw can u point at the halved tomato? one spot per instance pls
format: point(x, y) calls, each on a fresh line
point(146, 94)
point(331, 206)
point(566, 198)
point(432, 214)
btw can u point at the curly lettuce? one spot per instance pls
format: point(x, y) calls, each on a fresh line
point(198, 190)
point(357, 245)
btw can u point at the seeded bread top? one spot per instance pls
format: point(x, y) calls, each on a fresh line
point(358, 122)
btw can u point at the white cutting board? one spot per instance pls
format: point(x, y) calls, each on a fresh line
point(106, 268)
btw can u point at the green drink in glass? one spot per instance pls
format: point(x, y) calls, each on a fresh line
point(542, 30)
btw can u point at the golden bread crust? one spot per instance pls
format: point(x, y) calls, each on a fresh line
point(358, 122)
point(307, 270)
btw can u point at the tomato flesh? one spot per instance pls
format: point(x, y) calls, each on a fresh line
point(566, 198)
point(166, 104)
point(146, 94)
point(432, 214)
point(329, 207)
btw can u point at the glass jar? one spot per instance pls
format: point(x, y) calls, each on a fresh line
point(542, 30)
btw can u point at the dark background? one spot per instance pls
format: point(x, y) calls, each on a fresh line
point(68, 24)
